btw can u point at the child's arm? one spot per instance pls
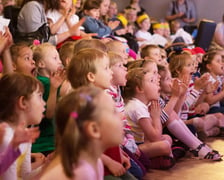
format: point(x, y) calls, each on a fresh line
point(114, 167)
point(6, 41)
point(56, 80)
point(152, 126)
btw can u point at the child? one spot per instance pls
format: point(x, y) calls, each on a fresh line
point(82, 120)
point(141, 90)
point(212, 63)
point(176, 126)
point(158, 35)
point(152, 52)
point(92, 23)
point(20, 100)
point(143, 36)
point(208, 124)
point(92, 68)
point(66, 54)
point(12, 152)
point(51, 74)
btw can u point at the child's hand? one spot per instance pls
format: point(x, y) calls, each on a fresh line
point(38, 160)
point(202, 81)
point(113, 24)
point(75, 28)
point(155, 110)
point(22, 135)
point(116, 168)
point(202, 108)
point(176, 88)
point(57, 78)
point(3, 42)
point(2, 131)
point(211, 87)
point(125, 160)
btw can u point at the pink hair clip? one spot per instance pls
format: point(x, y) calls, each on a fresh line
point(36, 42)
point(74, 115)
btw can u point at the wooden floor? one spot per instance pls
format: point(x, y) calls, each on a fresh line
point(189, 168)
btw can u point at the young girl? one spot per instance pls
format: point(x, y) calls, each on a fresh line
point(175, 125)
point(182, 65)
point(20, 100)
point(143, 112)
point(51, 75)
point(92, 23)
point(212, 63)
point(83, 120)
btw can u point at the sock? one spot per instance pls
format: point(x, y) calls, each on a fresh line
point(221, 120)
point(180, 130)
point(166, 141)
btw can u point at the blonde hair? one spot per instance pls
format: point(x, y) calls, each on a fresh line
point(146, 50)
point(39, 52)
point(114, 58)
point(66, 51)
point(89, 43)
point(139, 63)
point(177, 62)
point(73, 111)
point(81, 64)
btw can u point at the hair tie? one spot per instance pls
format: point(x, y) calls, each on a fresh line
point(36, 42)
point(74, 115)
point(86, 97)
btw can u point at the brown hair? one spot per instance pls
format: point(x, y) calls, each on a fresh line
point(113, 45)
point(177, 62)
point(134, 79)
point(81, 64)
point(13, 86)
point(91, 4)
point(66, 51)
point(16, 48)
point(207, 59)
point(89, 43)
point(72, 112)
point(139, 63)
point(145, 51)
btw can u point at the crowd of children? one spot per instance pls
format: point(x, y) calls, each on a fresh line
point(110, 104)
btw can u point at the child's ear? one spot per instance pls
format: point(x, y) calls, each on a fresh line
point(14, 66)
point(93, 130)
point(91, 77)
point(67, 61)
point(40, 64)
point(139, 90)
point(22, 103)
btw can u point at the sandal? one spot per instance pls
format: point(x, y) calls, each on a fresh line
point(213, 155)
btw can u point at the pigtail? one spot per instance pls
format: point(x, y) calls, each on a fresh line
point(70, 142)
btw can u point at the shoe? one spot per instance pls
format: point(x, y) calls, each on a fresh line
point(162, 162)
point(178, 152)
point(213, 155)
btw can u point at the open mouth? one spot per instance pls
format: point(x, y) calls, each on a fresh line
point(34, 71)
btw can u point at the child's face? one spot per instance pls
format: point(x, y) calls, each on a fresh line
point(104, 6)
point(159, 31)
point(103, 75)
point(188, 68)
point(166, 82)
point(145, 25)
point(52, 60)
point(131, 16)
point(216, 67)
point(122, 51)
point(109, 121)
point(112, 10)
point(94, 13)
point(155, 55)
point(35, 108)
point(152, 68)
point(65, 4)
point(25, 63)
point(150, 86)
point(119, 74)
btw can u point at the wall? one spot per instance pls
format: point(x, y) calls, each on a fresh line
point(209, 9)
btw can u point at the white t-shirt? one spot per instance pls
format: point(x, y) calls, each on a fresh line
point(159, 40)
point(144, 35)
point(136, 110)
point(185, 35)
point(54, 16)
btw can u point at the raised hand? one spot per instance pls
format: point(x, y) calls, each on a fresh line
point(57, 78)
point(155, 110)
